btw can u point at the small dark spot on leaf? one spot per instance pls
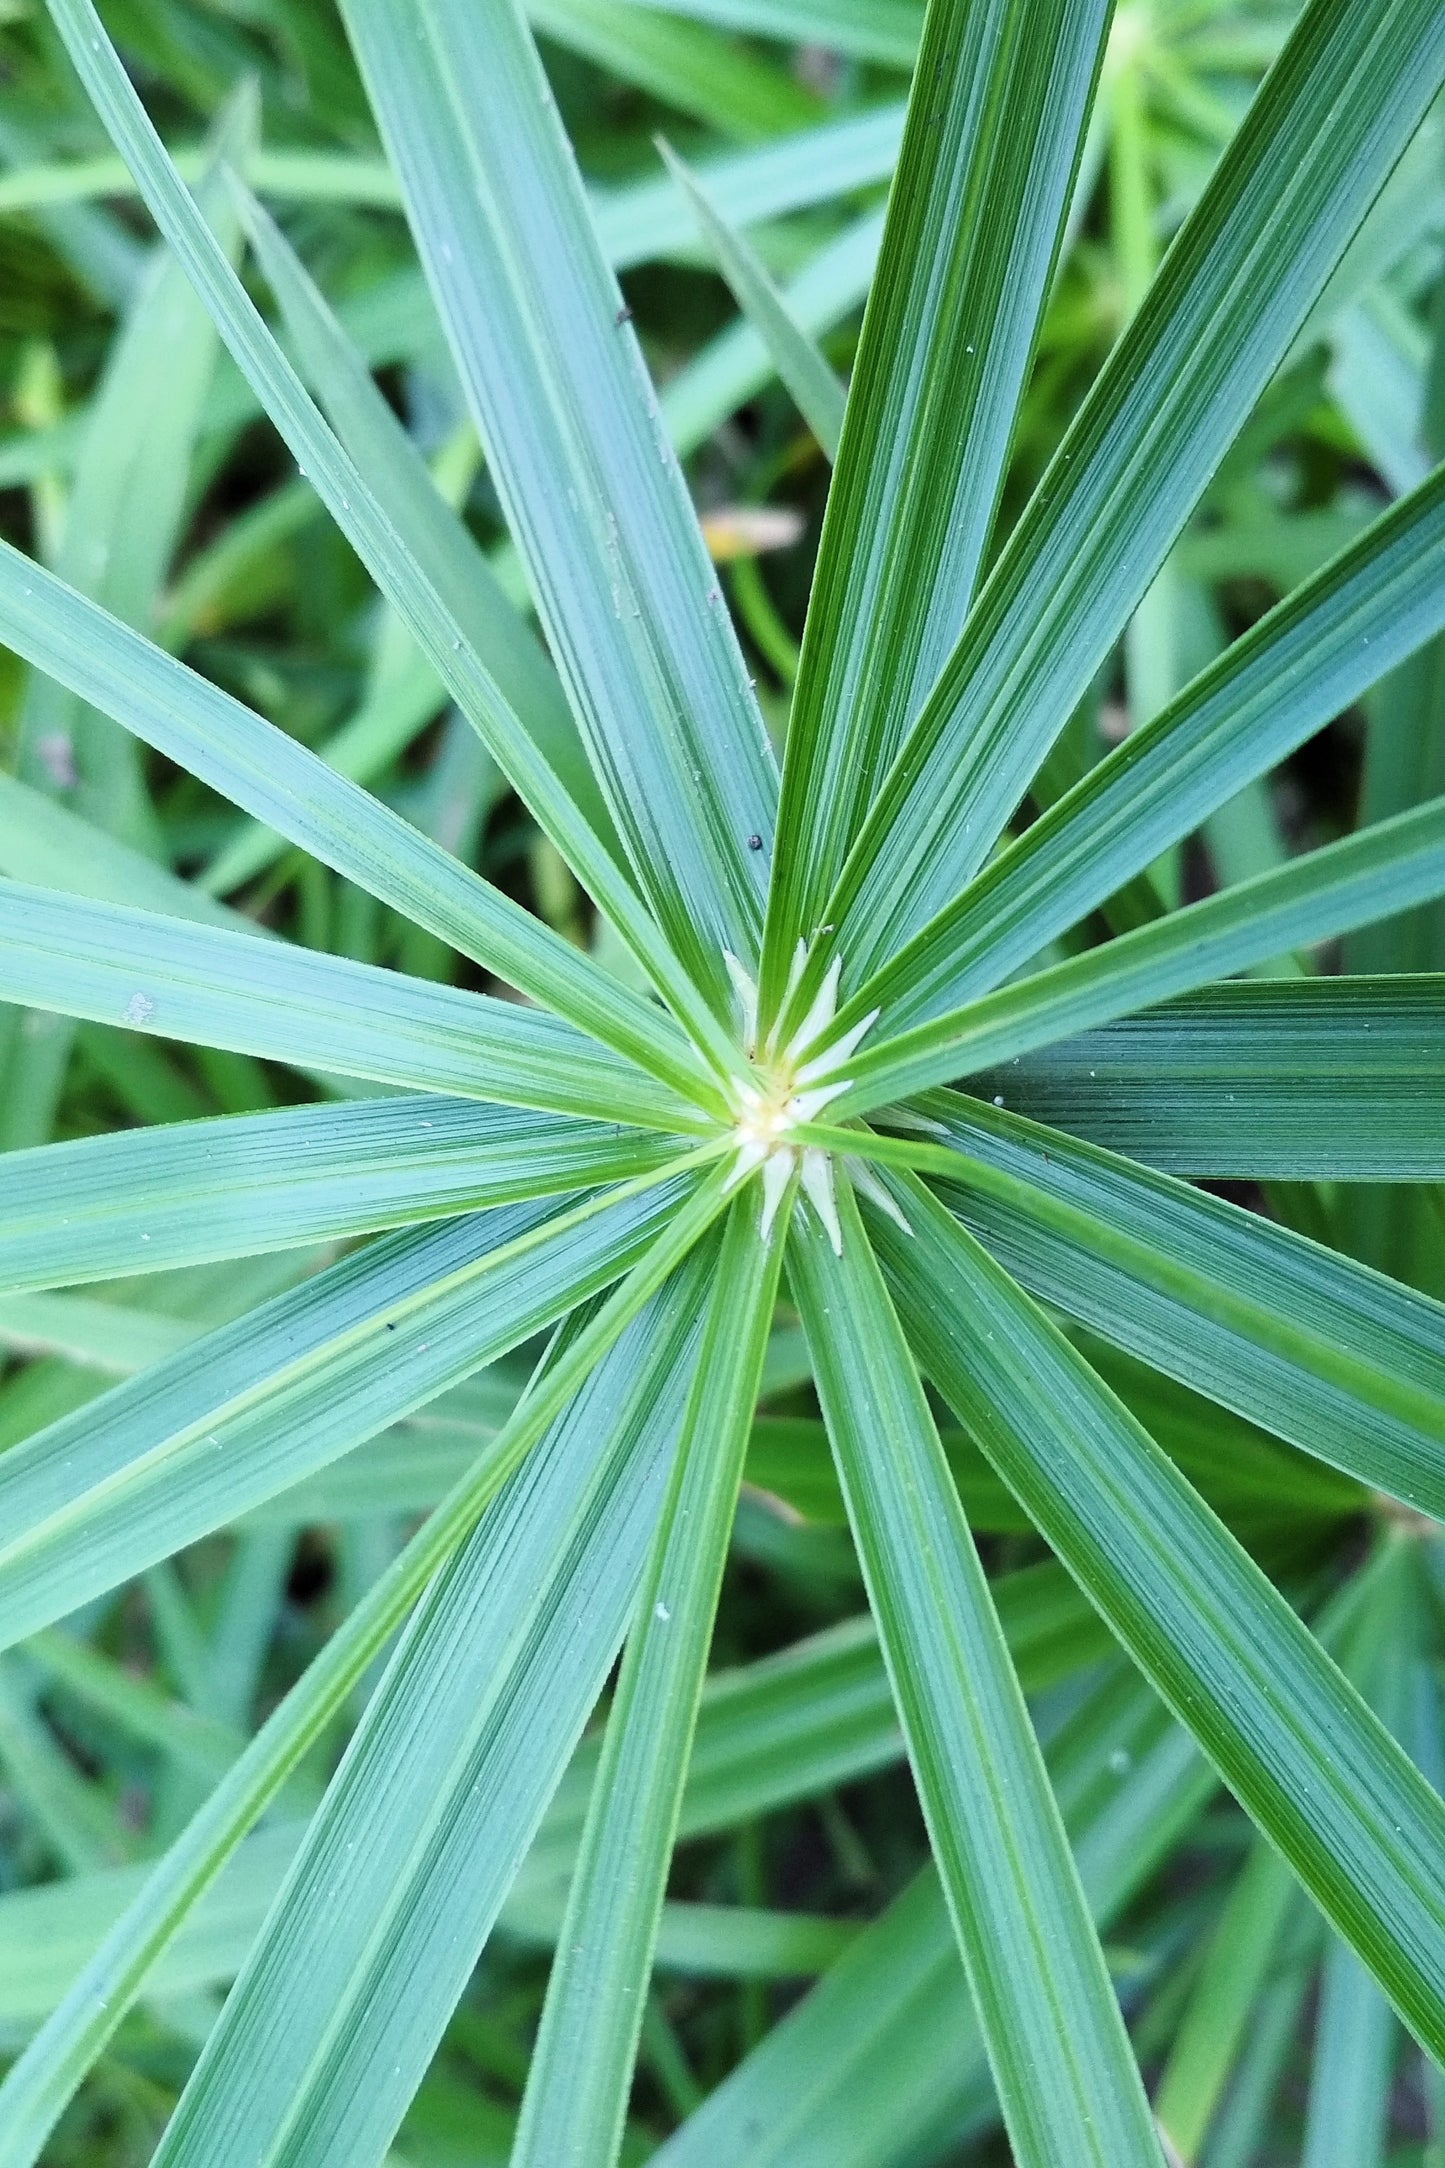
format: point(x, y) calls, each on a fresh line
point(755, 843)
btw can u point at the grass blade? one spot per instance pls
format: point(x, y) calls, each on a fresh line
point(883, 30)
point(1297, 669)
point(436, 537)
point(1325, 1079)
point(1235, 1972)
point(1263, 1912)
point(127, 503)
point(737, 363)
point(123, 518)
point(885, 2054)
point(1353, 2077)
point(379, 520)
point(443, 1785)
point(148, 1200)
point(271, 776)
point(581, 2072)
point(727, 87)
point(238, 1415)
point(47, 846)
point(1309, 1762)
point(1356, 2043)
point(1344, 1363)
point(1322, 135)
point(1363, 878)
point(1061, 2059)
point(163, 975)
point(588, 481)
point(35, 2091)
point(996, 121)
point(648, 219)
point(819, 396)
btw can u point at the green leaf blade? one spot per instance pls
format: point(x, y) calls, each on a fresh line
point(414, 1850)
point(1345, 1363)
point(1312, 1766)
point(1320, 1079)
point(589, 483)
point(1065, 2073)
point(163, 975)
point(279, 781)
point(580, 2078)
point(235, 1417)
point(1298, 668)
point(1321, 137)
point(1358, 881)
point(148, 1200)
point(819, 395)
point(996, 120)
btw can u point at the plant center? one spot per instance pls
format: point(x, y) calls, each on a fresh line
point(790, 1086)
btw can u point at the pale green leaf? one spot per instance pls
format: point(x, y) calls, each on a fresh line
point(144, 1200)
point(819, 395)
point(1298, 668)
point(183, 981)
point(1327, 1079)
point(1364, 877)
point(1343, 1362)
point(446, 1779)
point(238, 1415)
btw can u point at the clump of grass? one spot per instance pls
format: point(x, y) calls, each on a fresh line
point(474, 1072)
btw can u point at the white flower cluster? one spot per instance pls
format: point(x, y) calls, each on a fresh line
point(792, 1085)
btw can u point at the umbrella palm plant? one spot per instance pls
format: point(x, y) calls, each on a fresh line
point(641, 1157)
